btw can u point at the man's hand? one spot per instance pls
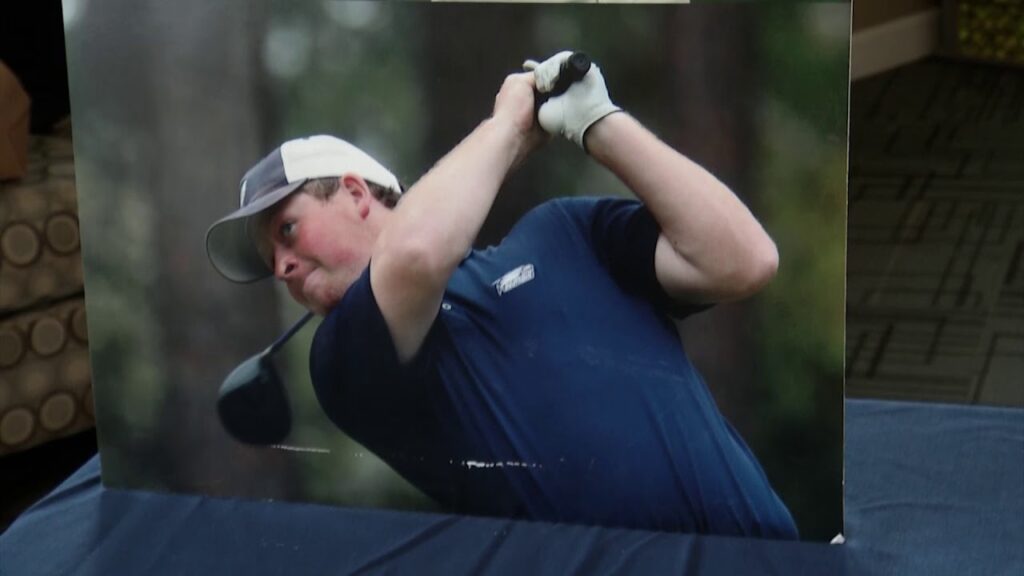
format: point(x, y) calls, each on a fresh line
point(583, 104)
point(514, 105)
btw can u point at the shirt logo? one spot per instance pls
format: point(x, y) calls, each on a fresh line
point(514, 279)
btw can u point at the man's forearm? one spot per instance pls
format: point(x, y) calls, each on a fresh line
point(437, 222)
point(723, 251)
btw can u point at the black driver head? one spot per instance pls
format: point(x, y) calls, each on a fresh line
point(252, 403)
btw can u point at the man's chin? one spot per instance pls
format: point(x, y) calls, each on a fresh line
point(317, 309)
point(308, 304)
point(320, 308)
point(320, 302)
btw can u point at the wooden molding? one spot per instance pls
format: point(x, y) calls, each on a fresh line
point(893, 44)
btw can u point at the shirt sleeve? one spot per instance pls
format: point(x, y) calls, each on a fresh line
point(354, 364)
point(624, 235)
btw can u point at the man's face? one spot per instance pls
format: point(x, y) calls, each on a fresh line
point(318, 248)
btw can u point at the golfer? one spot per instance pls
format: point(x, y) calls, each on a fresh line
point(540, 378)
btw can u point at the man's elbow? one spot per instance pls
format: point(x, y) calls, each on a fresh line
point(411, 263)
point(761, 269)
point(750, 273)
point(728, 276)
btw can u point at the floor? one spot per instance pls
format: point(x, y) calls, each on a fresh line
point(935, 270)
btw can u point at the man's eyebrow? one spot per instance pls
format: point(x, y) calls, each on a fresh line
point(263, 221)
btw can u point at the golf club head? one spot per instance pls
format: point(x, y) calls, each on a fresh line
point(252, 403)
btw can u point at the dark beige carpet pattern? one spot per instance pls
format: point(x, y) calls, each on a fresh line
point(935, 270)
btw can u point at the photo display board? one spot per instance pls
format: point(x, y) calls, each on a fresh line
point(172, 109)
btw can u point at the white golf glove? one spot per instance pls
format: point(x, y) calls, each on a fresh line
point(572, 113)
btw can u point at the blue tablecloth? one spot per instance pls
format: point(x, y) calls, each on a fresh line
point(934, 489)
point(930, 489)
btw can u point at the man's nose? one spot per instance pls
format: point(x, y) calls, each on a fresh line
point(285, 264)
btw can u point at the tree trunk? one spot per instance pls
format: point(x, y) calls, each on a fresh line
point(461, 85)
point(170, 132)
point(711, 49)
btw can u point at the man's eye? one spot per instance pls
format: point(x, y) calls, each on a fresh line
point(287, 229)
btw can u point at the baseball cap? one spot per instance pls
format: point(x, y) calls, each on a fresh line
point(229, 245)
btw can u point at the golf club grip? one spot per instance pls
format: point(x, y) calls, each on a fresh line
point(573, 69)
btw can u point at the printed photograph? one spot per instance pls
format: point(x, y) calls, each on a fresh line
point(574, 263)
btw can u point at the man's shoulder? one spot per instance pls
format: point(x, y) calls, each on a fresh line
point(581, 212)
point(570, 204)
point(581, 206)
point(562, 210)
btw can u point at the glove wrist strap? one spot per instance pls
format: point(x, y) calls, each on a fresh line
point(583, 137)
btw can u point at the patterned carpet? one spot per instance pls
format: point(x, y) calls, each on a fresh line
point(935, 271)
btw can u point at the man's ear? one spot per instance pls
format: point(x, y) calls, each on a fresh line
point(357, 191)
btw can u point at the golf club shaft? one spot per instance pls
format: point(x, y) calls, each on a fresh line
point(288, 334)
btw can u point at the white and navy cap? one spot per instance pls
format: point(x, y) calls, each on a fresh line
point(229, 245)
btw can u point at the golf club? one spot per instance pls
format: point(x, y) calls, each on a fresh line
point(251, 403)
point(572, 70)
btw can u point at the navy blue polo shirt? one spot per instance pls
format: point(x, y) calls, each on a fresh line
point(551, 386)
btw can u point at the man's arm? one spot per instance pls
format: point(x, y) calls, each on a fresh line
point(437, 221)
point(711, 247)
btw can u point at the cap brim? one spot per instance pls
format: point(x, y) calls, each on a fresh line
point(229, 247)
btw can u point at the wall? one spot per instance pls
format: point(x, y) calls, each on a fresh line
point(868, 13)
